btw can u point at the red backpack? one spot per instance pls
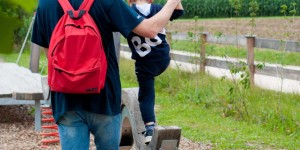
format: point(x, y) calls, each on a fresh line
point(76, 58)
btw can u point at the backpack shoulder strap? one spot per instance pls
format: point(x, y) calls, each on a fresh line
point(65, 4)
point(86, 5)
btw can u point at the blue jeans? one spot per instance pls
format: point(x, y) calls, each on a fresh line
point(75, 127)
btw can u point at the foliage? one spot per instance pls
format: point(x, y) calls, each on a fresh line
point(253, 9)
point(236, 5)
point(222, 8)
point(28, 5)
point(15, 15)
point(17, 8)
point(7, 27)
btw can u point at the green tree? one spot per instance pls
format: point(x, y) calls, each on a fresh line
point(13, 13)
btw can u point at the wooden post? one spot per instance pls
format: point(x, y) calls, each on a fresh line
point(169, 39)
point(203, 52)
point(250, 57)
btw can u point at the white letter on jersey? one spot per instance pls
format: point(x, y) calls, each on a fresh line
point(138, 45)
point(153, 42)
point(136, 40)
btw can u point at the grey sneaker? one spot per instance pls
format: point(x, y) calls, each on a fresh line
point(149, 133)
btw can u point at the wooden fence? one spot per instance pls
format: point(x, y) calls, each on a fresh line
point(250, 42)
point(275, 70)
point(274, 44)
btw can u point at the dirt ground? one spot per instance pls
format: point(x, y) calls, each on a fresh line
point(17, 132)
point(275, 28)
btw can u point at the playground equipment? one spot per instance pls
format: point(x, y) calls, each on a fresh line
point(49, 128)
point(164, 138)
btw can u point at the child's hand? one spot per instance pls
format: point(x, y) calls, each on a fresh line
point(176, 1)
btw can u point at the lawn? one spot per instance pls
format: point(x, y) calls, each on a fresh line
point(209, 113)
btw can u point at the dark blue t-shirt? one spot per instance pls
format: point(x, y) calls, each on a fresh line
point(146, 50)
point(109, 15)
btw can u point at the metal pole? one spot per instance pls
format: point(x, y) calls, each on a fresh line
point(37, 115)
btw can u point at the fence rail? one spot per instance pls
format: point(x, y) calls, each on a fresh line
point(274, 44)
point(274, 70)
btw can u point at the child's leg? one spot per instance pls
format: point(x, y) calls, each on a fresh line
point(145, 73)
point(147, 98)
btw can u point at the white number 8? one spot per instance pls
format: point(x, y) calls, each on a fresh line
point(138, 45)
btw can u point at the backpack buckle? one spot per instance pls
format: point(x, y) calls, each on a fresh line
point(76, 14)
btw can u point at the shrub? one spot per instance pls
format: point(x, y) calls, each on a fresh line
point(222, 8)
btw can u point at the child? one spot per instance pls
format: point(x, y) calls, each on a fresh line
point(152, 58)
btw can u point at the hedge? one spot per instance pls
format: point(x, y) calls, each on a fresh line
point(222, 8)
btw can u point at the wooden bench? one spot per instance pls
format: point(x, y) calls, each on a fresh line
point(19, 86)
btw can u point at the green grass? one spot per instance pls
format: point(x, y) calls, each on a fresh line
point(24, 59)
point(261, 55)
point(206, 111)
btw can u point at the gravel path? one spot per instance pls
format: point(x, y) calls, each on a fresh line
point(17, 132)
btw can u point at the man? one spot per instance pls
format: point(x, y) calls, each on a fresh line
point(78, 115)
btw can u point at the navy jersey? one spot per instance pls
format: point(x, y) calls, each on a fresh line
point(151, 50)
point(109, 15)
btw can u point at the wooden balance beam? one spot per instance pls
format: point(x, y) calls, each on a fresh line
point(164, 138)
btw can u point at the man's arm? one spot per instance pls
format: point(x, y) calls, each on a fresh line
point(152, 26)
